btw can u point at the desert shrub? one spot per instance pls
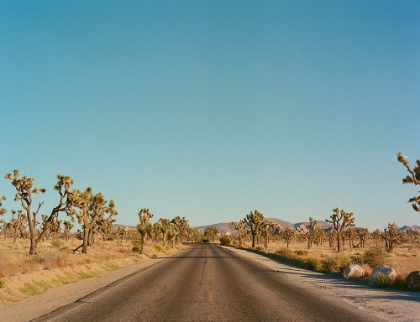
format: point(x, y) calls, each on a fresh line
point(381, 281)
point(333, 263)
point(225, 240)
point(300, 252)
point(48, 259)
point(30, 289)
point(313, 263)
point(285, 252)
point(136, 247)
point(61, 245)
point(158, 247)
point(375, 256)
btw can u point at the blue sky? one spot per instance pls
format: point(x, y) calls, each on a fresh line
point(211, 109)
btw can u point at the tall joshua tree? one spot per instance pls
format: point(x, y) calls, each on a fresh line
point(144, 218)
point(413, 178)
point(212, 232)
point(254, 220)
point(25, 191)
point(313, 225)
point(92, 208)
point(392, 236)
point(340, 221)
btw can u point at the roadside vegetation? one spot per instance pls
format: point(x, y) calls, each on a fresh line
point(31, 241)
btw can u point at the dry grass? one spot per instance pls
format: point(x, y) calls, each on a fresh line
point(14, 258)
point(404, 259)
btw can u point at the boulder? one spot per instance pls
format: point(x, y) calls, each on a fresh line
point(384, 271)
point(353, 271)
point(413, 280)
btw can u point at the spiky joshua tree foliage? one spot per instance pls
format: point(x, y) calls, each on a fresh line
point(91, 210)
point(144, 226)
point(340, 221)
point(25, 191)
point(413, 178)
point(254, 220)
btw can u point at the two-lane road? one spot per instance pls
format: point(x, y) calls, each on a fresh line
point(208, 283)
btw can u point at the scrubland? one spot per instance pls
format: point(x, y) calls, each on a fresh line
point(404, 259)
point(23, 275)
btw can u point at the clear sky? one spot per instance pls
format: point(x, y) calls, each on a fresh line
point(211, 109)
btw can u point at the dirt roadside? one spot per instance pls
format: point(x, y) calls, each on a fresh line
point(35, 306)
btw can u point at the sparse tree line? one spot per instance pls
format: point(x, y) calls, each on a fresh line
point(95, 216)
point(342, 233)
point(254, 228)
point(92, 211)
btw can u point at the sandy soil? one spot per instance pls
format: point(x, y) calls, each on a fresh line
point(387, 304)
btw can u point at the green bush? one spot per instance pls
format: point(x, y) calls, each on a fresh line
point(375, 256)
point(313, 263)
point(381, 281)
point(225, 240)
point(205, 240)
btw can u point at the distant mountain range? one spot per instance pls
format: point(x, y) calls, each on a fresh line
point(227, 228)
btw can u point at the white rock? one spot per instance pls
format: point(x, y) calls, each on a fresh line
point(384, 271)
point(353, 271)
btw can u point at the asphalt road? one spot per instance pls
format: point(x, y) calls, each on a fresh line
point(208, 283)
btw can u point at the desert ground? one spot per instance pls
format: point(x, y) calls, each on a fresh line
point(35, 285)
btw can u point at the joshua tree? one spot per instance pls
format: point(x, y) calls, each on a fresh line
point(266, 229)
point(311, 234)
point(242, 230)
point(340, 221)
point(331, 235)
point(173, 232)
point(67, 228)
point(18, 223)
point(413, 178)
point(350, 234)
point(287, 234)
point(92, 208)
point(254, 220)
point(144, 218)
point(164, 226)
point(25, 191)
point(181, 225)
point(376, 235)
point(363, 234)
point(392, 236)
point(212, 232)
